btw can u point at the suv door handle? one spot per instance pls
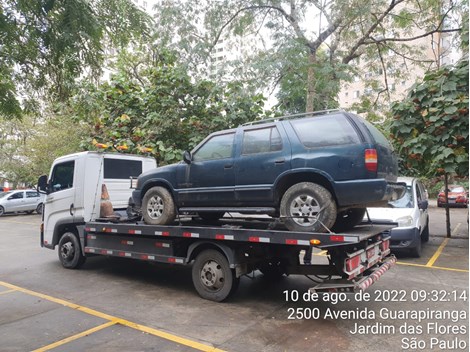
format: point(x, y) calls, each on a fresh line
point(280, 161)
point(228, 166)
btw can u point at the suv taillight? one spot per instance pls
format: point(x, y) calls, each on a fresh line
point(370, 158)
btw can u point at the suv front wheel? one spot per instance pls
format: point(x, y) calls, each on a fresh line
point(158, 207)
point(308, 207)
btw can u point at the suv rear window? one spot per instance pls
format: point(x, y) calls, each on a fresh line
point(324, 131)
point(377, 135)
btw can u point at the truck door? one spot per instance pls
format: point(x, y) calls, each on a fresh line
point(59, 203)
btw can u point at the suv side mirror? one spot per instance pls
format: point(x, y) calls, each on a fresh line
point(423, 204)
point(42, 184)
point(187, 157)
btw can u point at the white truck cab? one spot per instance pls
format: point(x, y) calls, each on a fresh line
point(73, 189)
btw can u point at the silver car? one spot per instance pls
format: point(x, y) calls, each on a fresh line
point(25, 200)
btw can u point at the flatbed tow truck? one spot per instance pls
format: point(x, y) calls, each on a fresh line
point(220, 252)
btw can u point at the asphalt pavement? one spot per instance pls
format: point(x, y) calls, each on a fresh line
point(115, 304)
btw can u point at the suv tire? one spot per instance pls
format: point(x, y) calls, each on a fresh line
point(158, 207)
point(308, 207)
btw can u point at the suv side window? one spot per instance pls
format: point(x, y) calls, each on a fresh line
point(62, 176)
point(261, 141)
point(217, 147)
point(325, 131)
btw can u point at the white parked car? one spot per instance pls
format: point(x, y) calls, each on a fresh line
point(24, 200)
point(410, 214)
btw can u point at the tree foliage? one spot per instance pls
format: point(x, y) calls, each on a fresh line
point(155, 107)
point(28, 146)
point(47, 44)
point(345, 29)
point(431, 125)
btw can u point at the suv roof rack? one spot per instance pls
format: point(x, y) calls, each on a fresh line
point(288, 117)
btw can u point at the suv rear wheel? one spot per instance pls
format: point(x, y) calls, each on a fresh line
point(158, 207)
point(308, 207)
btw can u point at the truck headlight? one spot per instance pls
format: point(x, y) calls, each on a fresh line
point(405, 221)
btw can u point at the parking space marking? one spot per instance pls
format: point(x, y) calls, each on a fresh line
point(438, 252)
point(21, 222)
point(75, 337)
point(7, 291)
point(116, 320)
point(433, 267)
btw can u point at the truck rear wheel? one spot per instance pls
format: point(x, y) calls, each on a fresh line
point(308, 207)
point(70, 252)
point(158, 207)
point(212, 277)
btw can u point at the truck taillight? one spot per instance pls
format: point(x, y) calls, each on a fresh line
point(353, 263)
point(385, 245)
point(370, 158)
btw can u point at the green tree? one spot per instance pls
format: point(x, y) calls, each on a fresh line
point(28, 146)
point(347, 30)
point(47, 44)
point(431, 125)
point(151, 105)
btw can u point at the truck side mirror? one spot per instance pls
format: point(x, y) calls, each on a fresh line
point(42, 184)
point(187, 157)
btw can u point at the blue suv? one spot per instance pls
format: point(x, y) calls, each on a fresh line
point(316, 172)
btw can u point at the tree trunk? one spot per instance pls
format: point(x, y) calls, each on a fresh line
point(312, 59)
point(446, 204)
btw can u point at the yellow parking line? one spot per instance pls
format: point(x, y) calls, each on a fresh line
point(149, 330)
point(433, 267)
point(438, 252)
point(75, 337)
point(20, 222)
point(322, 253)
point(7, 291)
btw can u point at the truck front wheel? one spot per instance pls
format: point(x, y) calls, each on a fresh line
point(212, 277)
point(70, 253)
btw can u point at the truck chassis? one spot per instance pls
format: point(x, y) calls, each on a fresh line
point(222, 252)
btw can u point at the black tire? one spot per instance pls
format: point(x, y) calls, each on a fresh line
point(308, 207)
point(70, 252)
point(158, 207)
point(212, 277)
point(425, 233)
point(416, 251)
point(211, 216)
point(2, 210)
point(347, 219)
point(39, 208)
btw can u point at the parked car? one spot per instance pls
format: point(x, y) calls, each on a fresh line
point(410, 213)
point(458, 196)
point(27, 200)
point(316, 171)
